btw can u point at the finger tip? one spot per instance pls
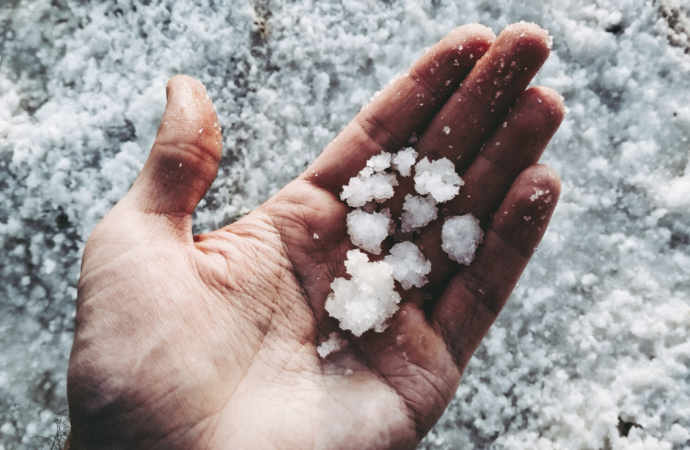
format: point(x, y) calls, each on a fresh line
point(527, 210)
point(476, 30)
point(530, 37)
point(540, 174)
point(190, 116)
point(548, 103)
point(182, 80)
point(470, 39)
point(538, 188)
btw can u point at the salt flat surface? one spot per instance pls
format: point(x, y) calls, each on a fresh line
point(595, 338)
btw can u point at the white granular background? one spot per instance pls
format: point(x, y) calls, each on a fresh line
point(594, 339)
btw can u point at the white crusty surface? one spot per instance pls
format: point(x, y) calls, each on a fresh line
point(417, 212)
point(461, 235)
point(409, 265)
point(597, 328)
point(368, 230)
point(404, 160)
point(366, 300)
point(437, 178)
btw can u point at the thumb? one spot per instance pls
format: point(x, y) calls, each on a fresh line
point(184, 159)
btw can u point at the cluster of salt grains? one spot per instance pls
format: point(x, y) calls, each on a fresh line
point(438, 179)
point(367, 231)
point(368, 299)
point(419, 211)
point(371, 183)
point(461, 235)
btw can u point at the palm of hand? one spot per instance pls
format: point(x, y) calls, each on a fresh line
point(210, 342)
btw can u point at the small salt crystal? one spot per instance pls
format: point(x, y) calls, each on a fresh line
point(437, 178)
point(409, 265)
point(419, 211)
point(404, 160)
point(333, 344)
point(368, 299)
point(380, 162)
point(368, 186)
point(537, 193)
point(367, 231)
point(461, 235)
point(446, 129)
point(316, 236)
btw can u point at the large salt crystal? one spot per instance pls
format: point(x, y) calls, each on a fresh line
point(368, 186)
point(404, 160)
point(419, 211)
point(368, 299)
point(380, 162)
point(437, 178)
point(409, 265)
point(461, 235)
point(367, 231)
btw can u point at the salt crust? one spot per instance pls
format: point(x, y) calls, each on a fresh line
point(404, 160)
point(332, 344)
point(366, 300)
point(419, 211)
point(437, 178)
point(461, 235)
point(303, 107)
point(367, 231)
point(409, 265)
point(368, 186)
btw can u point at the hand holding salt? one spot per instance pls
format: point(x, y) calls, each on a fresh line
point(224, 340)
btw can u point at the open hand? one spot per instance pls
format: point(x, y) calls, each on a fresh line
point(210, 341)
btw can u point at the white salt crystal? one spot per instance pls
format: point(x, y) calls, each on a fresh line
point(380, 162)
point(437, 178)
point(366, 172)
point(446, 129)
point(404, 160)
point(368, 299)
point(49, 265)
point(316, 236)
point(419, 211)
point(461, 235)
point(332, 344)
point(409, 265)
point(368, 186)
point(367, 231)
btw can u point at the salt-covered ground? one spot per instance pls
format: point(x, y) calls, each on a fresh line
point(593, 350)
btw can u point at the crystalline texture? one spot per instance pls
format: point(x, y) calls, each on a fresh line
point(404, 160)
point(380, 162)
point(366, 300)
point(367, 231)
point(368, 186)
point(419, 211)
point(332, 344)
point(461, 235)
point(437, 178)
point(409, 265)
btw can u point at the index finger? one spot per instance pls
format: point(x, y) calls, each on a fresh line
point(404, 107)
